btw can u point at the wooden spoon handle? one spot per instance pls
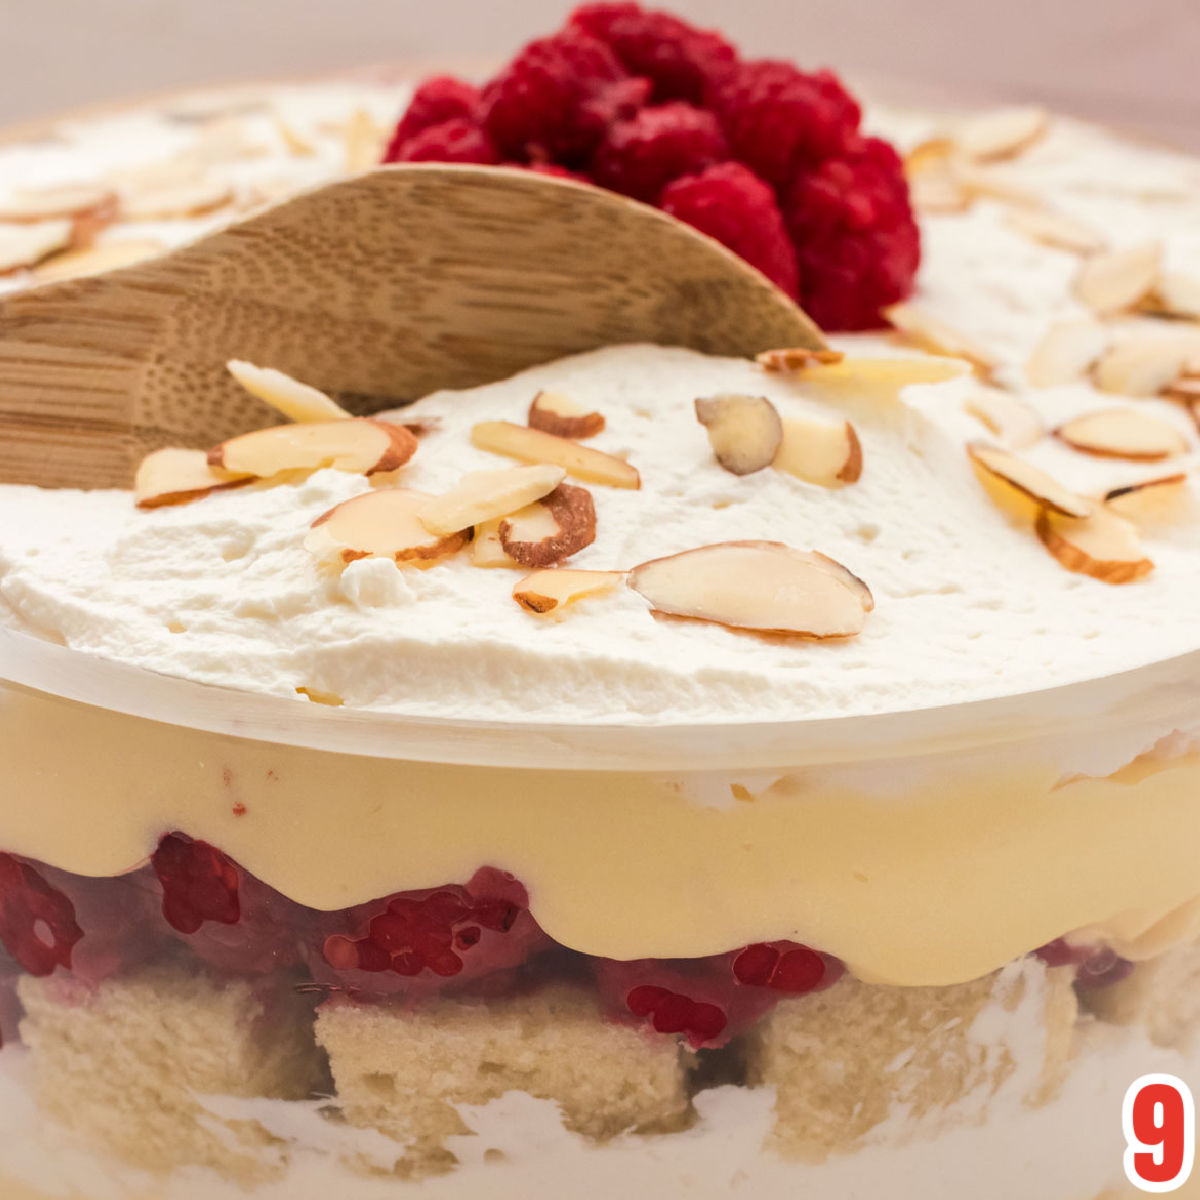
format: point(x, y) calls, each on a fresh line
point(379, 288)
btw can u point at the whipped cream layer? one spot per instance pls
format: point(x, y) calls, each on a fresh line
point(968, 603)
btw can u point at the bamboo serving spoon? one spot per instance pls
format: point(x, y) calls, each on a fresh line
point(378, 289)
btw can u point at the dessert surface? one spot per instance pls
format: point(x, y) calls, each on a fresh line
point(968, 604)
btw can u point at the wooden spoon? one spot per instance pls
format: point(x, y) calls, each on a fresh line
point(378, 289)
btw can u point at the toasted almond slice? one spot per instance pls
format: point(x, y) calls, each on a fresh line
point(1032, 482)
point(1055, 229)
point(552, 412)
point(1065, 352)
point(993, 183)
point(819, 452)
point(1010, 419)
point(1123, 433)
point(796, 358)
point(58, 202)
point(1191, 366)
point(938, 192)
point(1179, 294)
point(363, 140)
point(744, 431)
point(1185, 388)
point(358, 445)
point(940, 337)
point(24, 246)
point(534, 446)
point(1114, 281)
point(766, 587)
point(175, 201)
point(381, 524)
point(931, 155)
point(1102, 545)
point(876, 380)
point(552, 589)
point(484, 495)
point(95, 260)
point(534, 523)
point(174, 476)
point(294, 142)
point(1141, 366)
point(1151, 500)
point(1001, 133)
point(574, 515)
point(297, 401)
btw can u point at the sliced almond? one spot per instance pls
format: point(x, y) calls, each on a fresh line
point(58, 202)
point(1054, 229)
point(1123, 433)
point(744, 431)
point(534, 446)
point(552, 412)
point(931, 155)
point(1102, 545)
point(95, 260)
point(363, 140)
point(484, 495)
point(1141, 365)
point(24, 246)
point(796, 358)
point(574, 515)
point(1115, 281)
point(1001, 133)
point(1010, 419)
point(175, 201)
point(1151, 500)
point(553, 589)
point(1030, 481)
point(876, 380)
point(534, 523)
point(174, 476)
point(1191, 366)
point(356, 445)
point(226, 140)
point(294, 142)
point(297, 401)
point(819, 452)
point(940, 337)
point(993, 183)
point(1184, 388)
point(938, 192)
point(1179, 295)
point(766, 587)
point(1065, 352)
point(381, 524)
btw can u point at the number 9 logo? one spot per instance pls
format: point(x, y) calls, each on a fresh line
point(1159, 1120)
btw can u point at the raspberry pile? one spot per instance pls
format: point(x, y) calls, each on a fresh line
point(761, 156)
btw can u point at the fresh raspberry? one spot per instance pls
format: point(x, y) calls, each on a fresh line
point(555, 99)
point(228, 918)
point(858, 244)
point(436, 100)
point(642, 154)
point(417, 941)
point(730, 203)
point(37, 921)
point(779, 119)
point(459, 140)
point(711, 1000)
point(680, 60)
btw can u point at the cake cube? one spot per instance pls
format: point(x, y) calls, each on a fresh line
point(843, 1060)
point(1161, 995)
point(402, 1071)
point(124, 1064)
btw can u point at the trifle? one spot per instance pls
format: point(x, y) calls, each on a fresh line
point(654, 771)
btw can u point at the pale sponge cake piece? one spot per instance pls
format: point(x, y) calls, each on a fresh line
point(122, 1064)
point(845, 1060)
point(402, 1071)
point(1161, 995)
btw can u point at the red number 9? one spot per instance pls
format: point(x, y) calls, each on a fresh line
point(1159, 1119)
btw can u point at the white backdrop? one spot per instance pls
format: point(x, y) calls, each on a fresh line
point(1132, 62)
